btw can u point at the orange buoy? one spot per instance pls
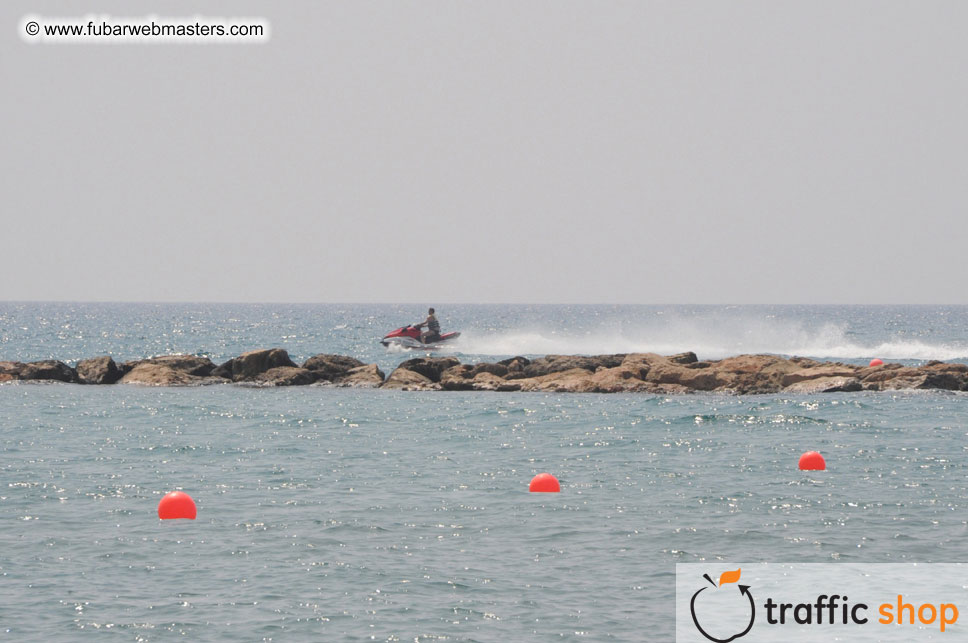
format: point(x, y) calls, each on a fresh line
point(176, 504)
point(877, 362)
point(544, 483)
point(812, 461)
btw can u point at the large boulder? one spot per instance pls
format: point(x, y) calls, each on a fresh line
point(515, 366)
point(485, 381)
point(465, 377)
point(951, 377)
point(559, 363)
point(248, 366)
point(750, 374)
point(10, 371)
point(816, 372)
point(48, 370)
point(500, 370)
point(891, 377)
point(366, 376)
point(831, 384)
point(98, 370)
point(621, 379)
point(683, 358)
point(641, 363)
point(154, 374)
point(187, 364)
point(430, 367)
point(285, 376)
point(170, 370)
point(917, 378)
point(331, 367)
point(405, 379)
point(458, 378)
point(574, 380)
point(223, 370)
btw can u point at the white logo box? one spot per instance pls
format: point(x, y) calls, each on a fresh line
point(935, 595)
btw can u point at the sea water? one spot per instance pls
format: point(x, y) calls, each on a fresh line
point(336, 514)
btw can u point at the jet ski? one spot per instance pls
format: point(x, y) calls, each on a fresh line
point(409, 337)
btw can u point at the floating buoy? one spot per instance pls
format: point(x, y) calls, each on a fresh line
point(877, 362)
point(812, 461)
point(544, 483)
point(176, 504)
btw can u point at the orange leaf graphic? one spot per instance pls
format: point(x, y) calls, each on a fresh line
point(729, 577)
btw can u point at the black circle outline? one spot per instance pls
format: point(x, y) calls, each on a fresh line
point(695, 621)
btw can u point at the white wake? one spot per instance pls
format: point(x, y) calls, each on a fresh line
point(709, 339)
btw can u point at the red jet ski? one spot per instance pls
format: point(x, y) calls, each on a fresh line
point(409, 337)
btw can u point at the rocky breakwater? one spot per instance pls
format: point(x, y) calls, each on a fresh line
point(267, 367)
point(674, 374)
point(628, 373)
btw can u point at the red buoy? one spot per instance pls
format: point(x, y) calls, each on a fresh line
point(544, 483)
point(176, 504)
point(812, 461)
point(877, 362)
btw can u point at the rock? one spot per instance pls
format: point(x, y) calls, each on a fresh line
point(698, 365)
point(824, 385)
point(285, 376)
point(170, 370)
point(248, 365)
point(710, 379)
point(891, 377)
point(621, 379)
point(466, 377)
point(485, 381)
point(752, 374)
point(11, 370)
point(499, 370)
point(559, 363)
point(366, 376)
point(224, 370)
point(429, 367)
point(462, 377)
point(405, 379)
point(458, 378)
point(683, 358)
point(913, 378)
point(950, 377)
point(160, 374)
point(515, 366)
point(574, 380)
point(98, 370)
point(515, 363)
point(47, 370)
point(330, 367)
point(945, 367)
point(816, 372)
point(641, 363)
point(187, 364)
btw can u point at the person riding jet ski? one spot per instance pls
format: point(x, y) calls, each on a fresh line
point(432, 334)
point(411, 337)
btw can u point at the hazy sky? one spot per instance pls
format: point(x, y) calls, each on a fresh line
point(431, 152)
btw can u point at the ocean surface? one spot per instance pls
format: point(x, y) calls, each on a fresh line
point(332, 514)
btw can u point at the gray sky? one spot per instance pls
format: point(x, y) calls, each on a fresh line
point(627, 152)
